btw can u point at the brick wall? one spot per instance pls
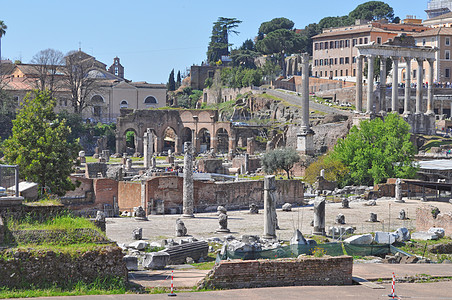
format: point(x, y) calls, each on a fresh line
point(237, 274)
point(208, 195)
point(425, 220)
point(129, 195)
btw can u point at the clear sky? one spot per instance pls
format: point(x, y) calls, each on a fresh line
point(153, 37)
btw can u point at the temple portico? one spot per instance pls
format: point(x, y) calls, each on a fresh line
point(401, 49)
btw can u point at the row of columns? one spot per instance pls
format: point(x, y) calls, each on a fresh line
point(395, 83)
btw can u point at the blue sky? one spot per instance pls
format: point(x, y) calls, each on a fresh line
point(153, 37)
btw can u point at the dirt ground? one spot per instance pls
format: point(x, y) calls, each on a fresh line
point(161, 227)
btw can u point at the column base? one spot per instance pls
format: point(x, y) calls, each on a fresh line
point(188, 216)
point(269, 237)
point(305, 142)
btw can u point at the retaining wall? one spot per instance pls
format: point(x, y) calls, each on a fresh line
point(21, 268)
point(237, 274)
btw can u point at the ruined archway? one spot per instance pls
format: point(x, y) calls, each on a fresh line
point(169, 139)
point(222, 141)
point(204, 140)
point(185, 136)
point(130, 136)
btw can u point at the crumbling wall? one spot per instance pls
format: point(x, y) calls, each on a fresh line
point(23, 268)
point(238, 274)
point(425, 219)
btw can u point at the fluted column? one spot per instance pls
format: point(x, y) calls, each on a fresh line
point(406, 109)
point(430, 88)
point(420, 62)
point(382, 84)
point(395, 84)
point(359, 84)
point(370, 84)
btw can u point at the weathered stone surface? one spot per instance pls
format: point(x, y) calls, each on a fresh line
point(441, 248)
point(181, 230)
point(140, 214)
point(139, 245)
point(438, 231)
point(364, 239)
point(131, 262)
point(423, 236)
point(156, 260)
point(319, 215)
point(187, 198)
point(370, 203)
point(254, 209)
point(137, 233)
point(340, 219)
point(270, 217)
point(298, 238)
point(287, 207)
point(403, 234)
point(345, 203)
point(402, 215)
point(409, 260)
point(115, 173)
point(385, 237)
point(179, 253)
point(100, 216)
point(373, 217)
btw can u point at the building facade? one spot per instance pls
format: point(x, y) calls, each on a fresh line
point(334, 51)
point(112, 92)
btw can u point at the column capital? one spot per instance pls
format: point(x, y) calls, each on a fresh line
point(430, 60)
point(395, 58)
point(419, 59)
point(305, 58)
point(407, 58)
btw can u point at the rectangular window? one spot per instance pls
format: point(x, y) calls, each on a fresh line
point(336, 44)
point(320, 73)
point(354, 60)
point(423, 42)
point(335, 61)
point(331, 45)
point(321, 46)
point(354, 72)
point(316, 46)
point(341, 43)
point(316, 62)
point(414, 74)
point(360, 41)
point(341, 60)
point(447, 73)
point(331, 61)
point(347, 43)
point(336, 73)
point(447, 41)
point(347, 60)
point(326, 45)
point(326, 62)
point(447, 55)
point(365, 40)
point(379, 40)
point(354, 42)
point(346, 72)
point(342, 73)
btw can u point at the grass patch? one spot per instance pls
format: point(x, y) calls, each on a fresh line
point(107, 286)
point(64, 222)
point(435, 143)
point(205, 265)
point(420, 248)
point(44, 202)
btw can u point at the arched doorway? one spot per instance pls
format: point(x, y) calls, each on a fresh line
point(169, 139)
point(204, 140)
point(131, 141)
point(185, 136)
point(222, 141)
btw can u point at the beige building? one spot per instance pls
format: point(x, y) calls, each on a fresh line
point(334, 52)
point(112, 93)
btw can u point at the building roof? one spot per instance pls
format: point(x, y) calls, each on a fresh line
point(440, 17)
point(434, 32)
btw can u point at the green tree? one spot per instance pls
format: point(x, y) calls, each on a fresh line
point(377, 150)
point(219, 40)
point(335, 170)
point(280, 160)
point(39, 144)
point(3, 28)
point(248, 44)
point(372, 10)
point(171, 85)
point(282, 42)
point(274, 24)
point(178, 80)
point(7, 113)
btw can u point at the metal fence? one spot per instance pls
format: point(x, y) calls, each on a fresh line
point(9, 181)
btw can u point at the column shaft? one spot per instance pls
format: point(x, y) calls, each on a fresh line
point(395, 85)
point(359, 84)
point(406, 109)
point(305, 92)
point(420, 63)
point(370, 84)
point(382, 84)
point(430, 88)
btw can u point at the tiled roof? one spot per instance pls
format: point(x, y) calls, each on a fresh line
point(435, 31)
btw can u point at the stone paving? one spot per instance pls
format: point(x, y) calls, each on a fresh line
point(204, 225)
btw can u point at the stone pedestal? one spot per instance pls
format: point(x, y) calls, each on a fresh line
point(319, 216)
point(269, 207)
point(187, 200)
point(305, 142)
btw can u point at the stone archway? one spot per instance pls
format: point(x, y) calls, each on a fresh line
point(169, 139)
point(185, 136)
point(222, 141)
point(131, 141)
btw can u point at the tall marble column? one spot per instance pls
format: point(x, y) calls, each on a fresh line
point(319, 216)
point(269, 207)
point(187, 192)
point(305, 143)
point(370, 84)
point(406, 108)
point(420, 63)
point(359, 84)
point(430, 88)
point(148, 147)
point(395, 84)
point(382, 84)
